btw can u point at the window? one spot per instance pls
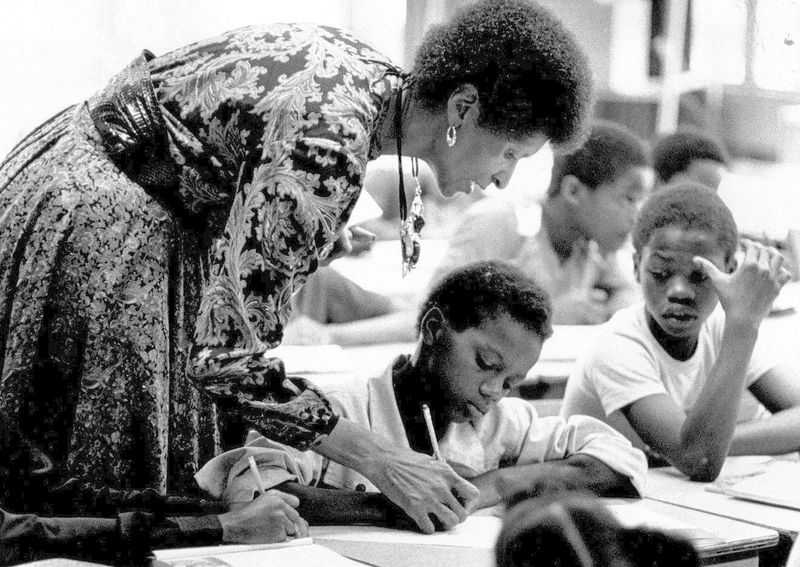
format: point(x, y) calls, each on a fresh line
point(776, 53)
point(751, 42)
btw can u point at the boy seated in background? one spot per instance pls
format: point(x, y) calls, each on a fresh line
point(333, 309)
point(480, 331)
point(590, 208)
point(673, 373)
point(690, 155)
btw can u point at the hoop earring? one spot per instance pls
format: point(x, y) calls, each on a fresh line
point(450, 136)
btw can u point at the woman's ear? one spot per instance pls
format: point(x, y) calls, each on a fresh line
point(636, 259)
point(463, 104)
point(432, 325)
point(572, 189)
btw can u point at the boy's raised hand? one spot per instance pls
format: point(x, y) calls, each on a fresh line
point(747, 293)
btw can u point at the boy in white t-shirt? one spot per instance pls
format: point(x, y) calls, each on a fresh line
point(673, 374)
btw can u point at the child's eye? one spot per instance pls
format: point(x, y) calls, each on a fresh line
point(487, 366)
point(698, 277)
point(482, 364)
point(511, 156)
point(658, 276)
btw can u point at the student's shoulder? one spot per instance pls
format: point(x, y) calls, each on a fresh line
point(621, 337)
point(507, 418)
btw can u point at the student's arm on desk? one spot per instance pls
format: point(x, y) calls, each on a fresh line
point(577, 453)
point(537, 479)
point(779, 391)
point(697, 442)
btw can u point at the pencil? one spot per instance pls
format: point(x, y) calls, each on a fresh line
point(254, 469)
point(426, 413)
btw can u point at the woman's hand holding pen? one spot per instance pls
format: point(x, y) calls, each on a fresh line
point(424, 488)
point(455, 508)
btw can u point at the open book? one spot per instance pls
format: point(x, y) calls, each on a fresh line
point(292, 553)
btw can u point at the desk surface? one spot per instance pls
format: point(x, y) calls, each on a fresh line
point(670, 486)
point(719, 536)
point(555, 363)
point(719, 540)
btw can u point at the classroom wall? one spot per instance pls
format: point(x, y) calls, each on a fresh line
point(54, 53)
point(757, 124)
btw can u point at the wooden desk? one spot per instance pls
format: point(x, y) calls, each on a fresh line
point(670, 486)
point(720, 541)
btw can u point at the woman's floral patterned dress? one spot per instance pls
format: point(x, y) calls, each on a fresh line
point(151, 239)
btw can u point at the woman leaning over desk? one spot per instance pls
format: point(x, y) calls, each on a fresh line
point(152, 236)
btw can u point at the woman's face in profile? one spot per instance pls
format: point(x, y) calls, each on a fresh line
point(479, 157)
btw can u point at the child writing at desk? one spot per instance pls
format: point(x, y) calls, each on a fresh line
point(674, 373)
point(480, 331)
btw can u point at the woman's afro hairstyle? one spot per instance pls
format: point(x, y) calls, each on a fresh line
point(530, 74)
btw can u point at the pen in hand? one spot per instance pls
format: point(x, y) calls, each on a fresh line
point(254, 470)
point(426, 414)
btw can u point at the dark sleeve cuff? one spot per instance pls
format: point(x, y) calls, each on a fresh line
point(140, 533)
point(205, 529)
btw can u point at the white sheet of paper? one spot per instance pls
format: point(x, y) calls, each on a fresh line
point(637, 515)
point(190, 552)
point(475, 532)
point(776, 485)
point(309, 555)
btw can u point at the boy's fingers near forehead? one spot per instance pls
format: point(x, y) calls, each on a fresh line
point(750, 251)
point(776, 260)
point(707, 266)
point(764, 257)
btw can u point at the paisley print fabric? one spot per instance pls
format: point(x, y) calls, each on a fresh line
point(151, 239)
